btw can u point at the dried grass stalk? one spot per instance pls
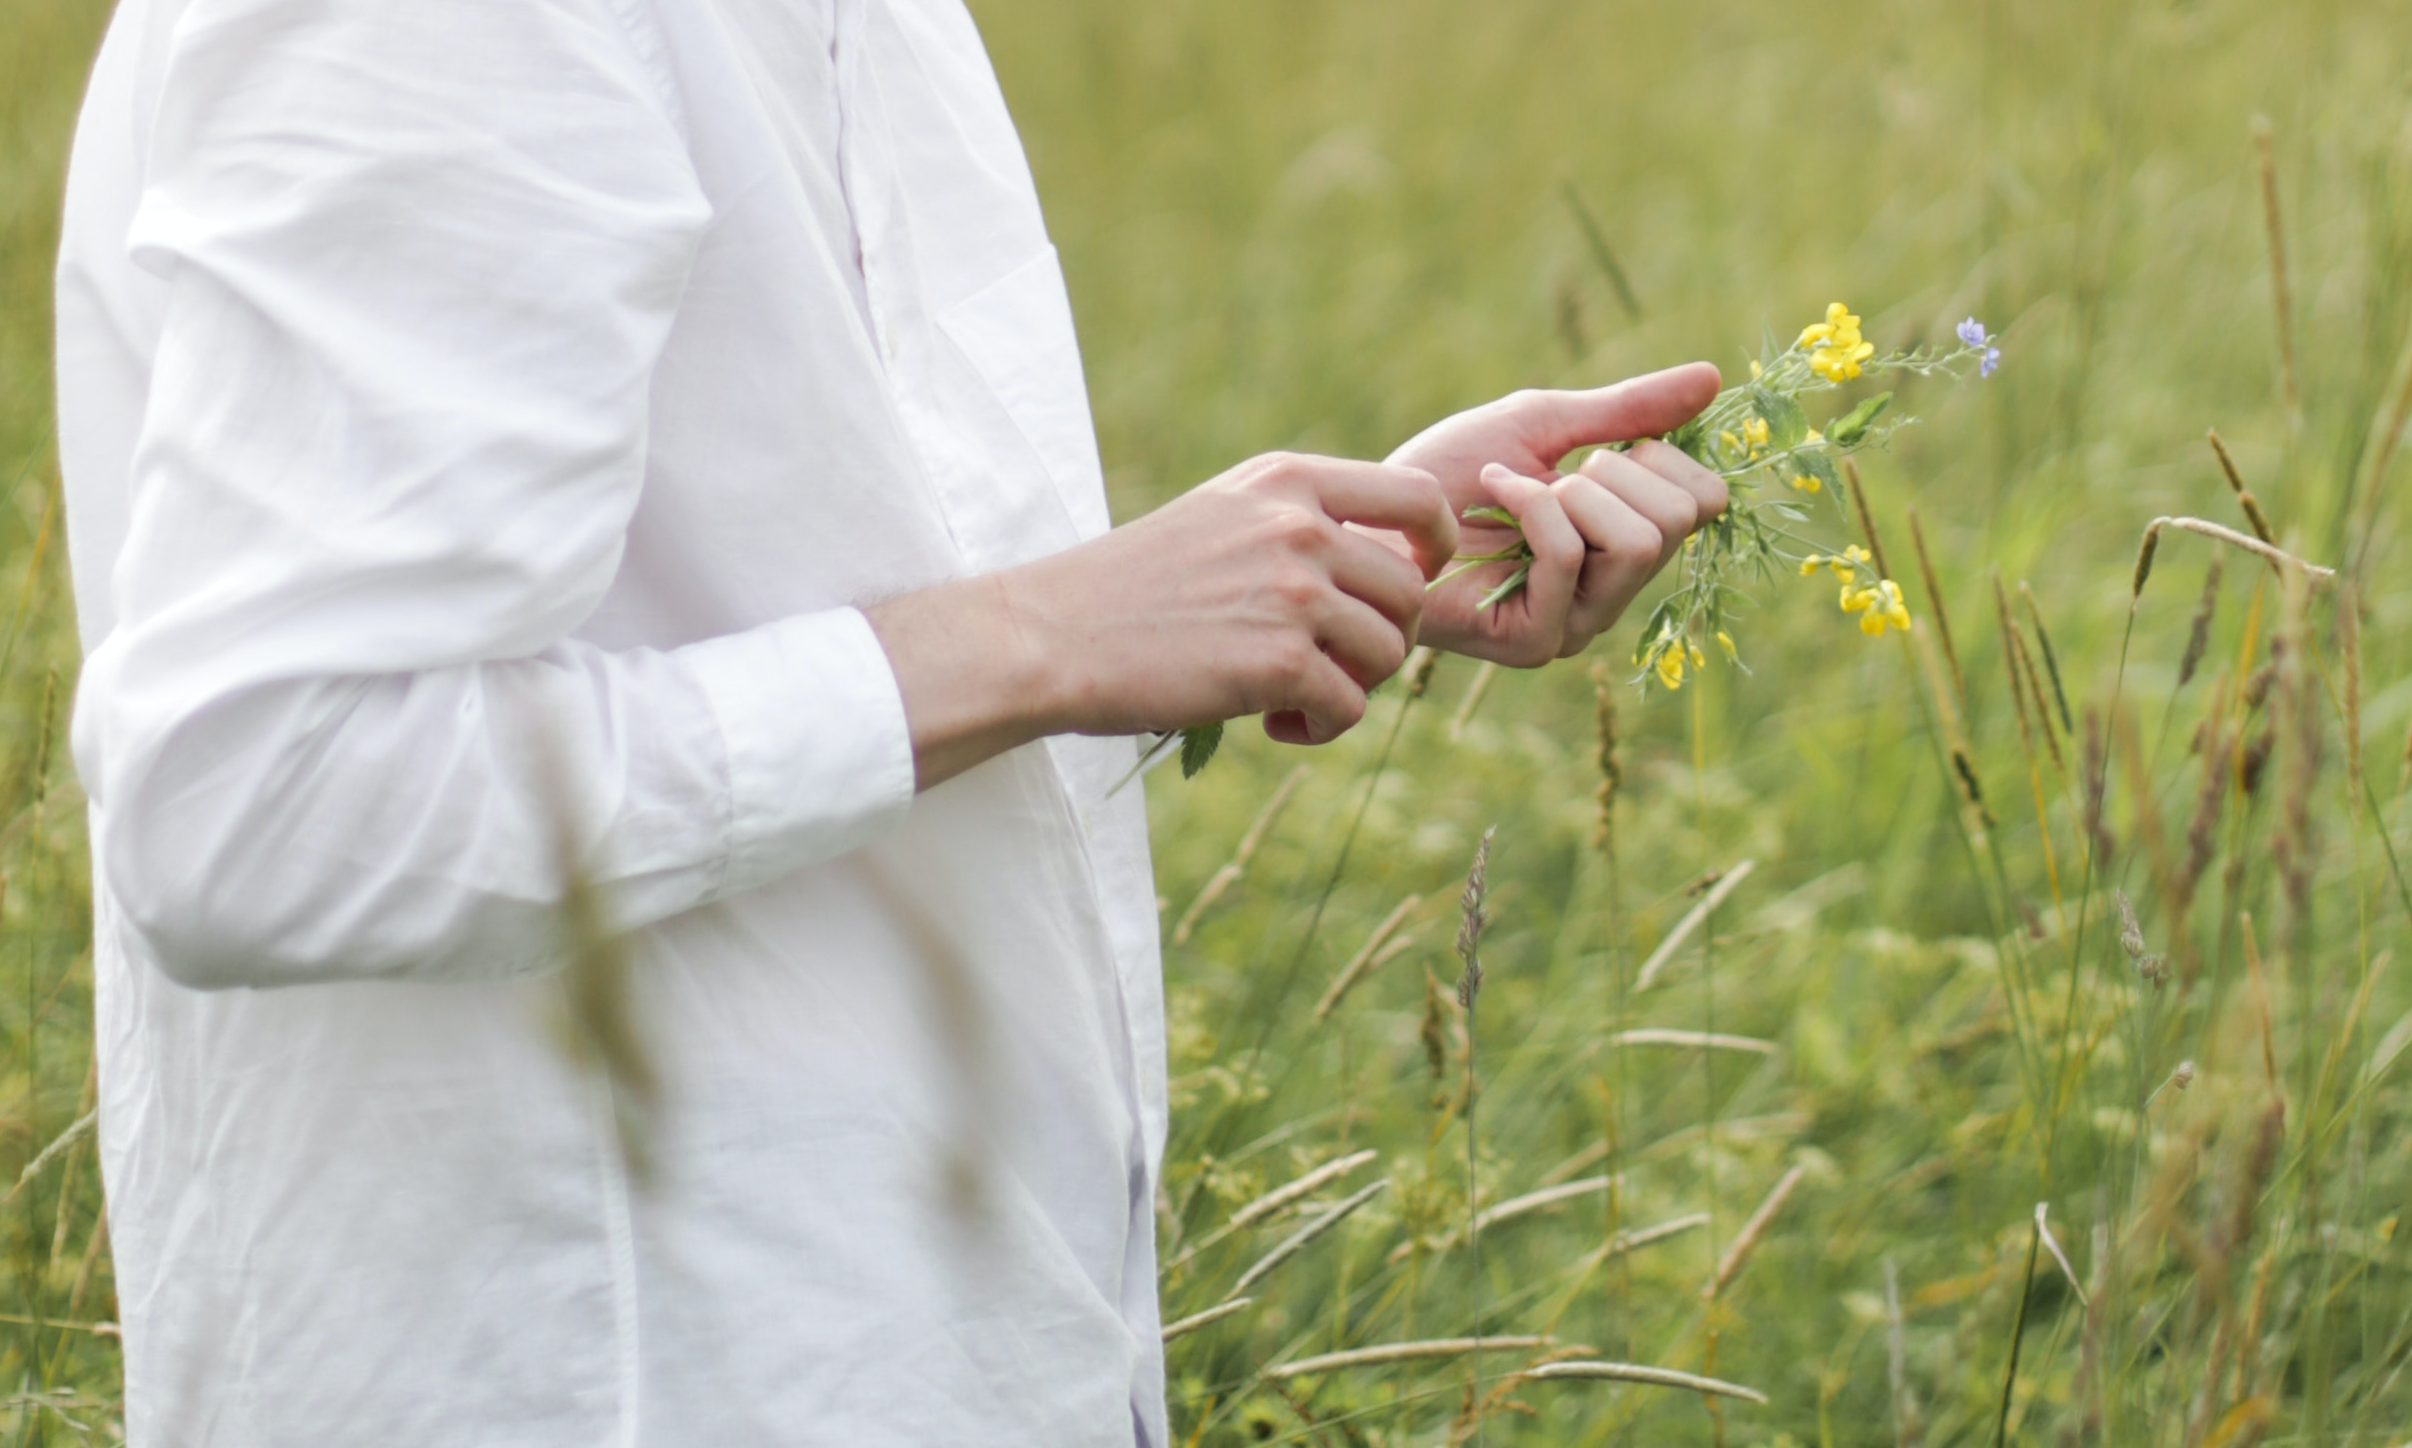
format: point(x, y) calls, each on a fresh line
point(1934, 604)
point(1237, 866)
point(1298, 1241)
point(1305, 1186)
point(1655, 1377)
point(2245, 501)
point(1867, 520)
point(1208, 1318)
point(1372, 951)
point(2051, 658)
point(1406, 1352)
point(2052, 1245)
point(2282, 292)
point(1694, 1040)
point(1747, 1239)
point(2276, 557)
point(1546, 1197)
point(2198, 633)
point(60, 1145)
point(1726, 884)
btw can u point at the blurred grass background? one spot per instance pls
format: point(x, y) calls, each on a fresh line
point(1321, 224)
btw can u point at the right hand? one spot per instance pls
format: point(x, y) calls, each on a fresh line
point(1247, 595)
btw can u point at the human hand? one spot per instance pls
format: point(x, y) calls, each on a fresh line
point(1598, 535)
point(1247, 595)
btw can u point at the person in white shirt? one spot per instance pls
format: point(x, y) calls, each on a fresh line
point(644, 442)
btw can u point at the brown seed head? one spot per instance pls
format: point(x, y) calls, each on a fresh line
point(2198, 635)
point(2144, 552)
point(2257, 759)
point(2244, 496)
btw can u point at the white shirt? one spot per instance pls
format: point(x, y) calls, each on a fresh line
point(479, 419)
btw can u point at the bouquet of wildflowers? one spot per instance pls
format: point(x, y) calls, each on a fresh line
point(1777, 467)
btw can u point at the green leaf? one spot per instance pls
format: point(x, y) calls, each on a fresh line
point(1486, 513)
point(1692, 440)
point(1508, 589)
point(1853, 425)
point(1198, 746)
point(1820, 466)
point(1787, 425)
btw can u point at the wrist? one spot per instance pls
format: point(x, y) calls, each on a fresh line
point(976, 678)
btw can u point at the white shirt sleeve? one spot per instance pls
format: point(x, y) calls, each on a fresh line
point(419, 261)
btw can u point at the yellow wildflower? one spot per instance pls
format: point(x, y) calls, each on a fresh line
point(1836, 349)
point(1807, 483)
point(1725, 641)
point(1811, 564)
point(1699, 659)
point(1876, 606)
point(1840, 363)
point(1839, 323)
point(1754, 432)
point(1755, 369)
point(1731, 443)
point(1895, 608)
point(1670, 666)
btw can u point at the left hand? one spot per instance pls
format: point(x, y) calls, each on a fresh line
point(1598, 535)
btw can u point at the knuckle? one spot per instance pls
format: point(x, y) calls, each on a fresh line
point(1639, 545)
point(1297, 531)
point(1297, 587)
point(1293, 660)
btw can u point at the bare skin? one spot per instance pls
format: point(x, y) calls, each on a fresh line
point(1290, 585)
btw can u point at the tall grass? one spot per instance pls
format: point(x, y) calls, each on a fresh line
point(58, 1360)
point(1319, 225)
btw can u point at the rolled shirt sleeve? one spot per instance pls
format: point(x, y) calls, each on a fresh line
point(419, 261)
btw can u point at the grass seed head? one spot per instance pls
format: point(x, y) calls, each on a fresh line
point(2144, 552)
point(1934, 603)
point(2131, 934)
point(1471, 920)
point(2198, 633)
point(2250, 505)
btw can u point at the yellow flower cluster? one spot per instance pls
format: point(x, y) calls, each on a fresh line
point(1876, 606)
point(1670, 653)
point(1835, 347)
point(1846, 564)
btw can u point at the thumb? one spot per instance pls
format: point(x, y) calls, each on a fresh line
point(1557, 423)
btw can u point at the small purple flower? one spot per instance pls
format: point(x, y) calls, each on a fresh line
point(1973, 334)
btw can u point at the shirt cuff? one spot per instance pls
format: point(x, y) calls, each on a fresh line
point(820, 757)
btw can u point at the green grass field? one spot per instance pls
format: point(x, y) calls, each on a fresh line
point(1806, 1158)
